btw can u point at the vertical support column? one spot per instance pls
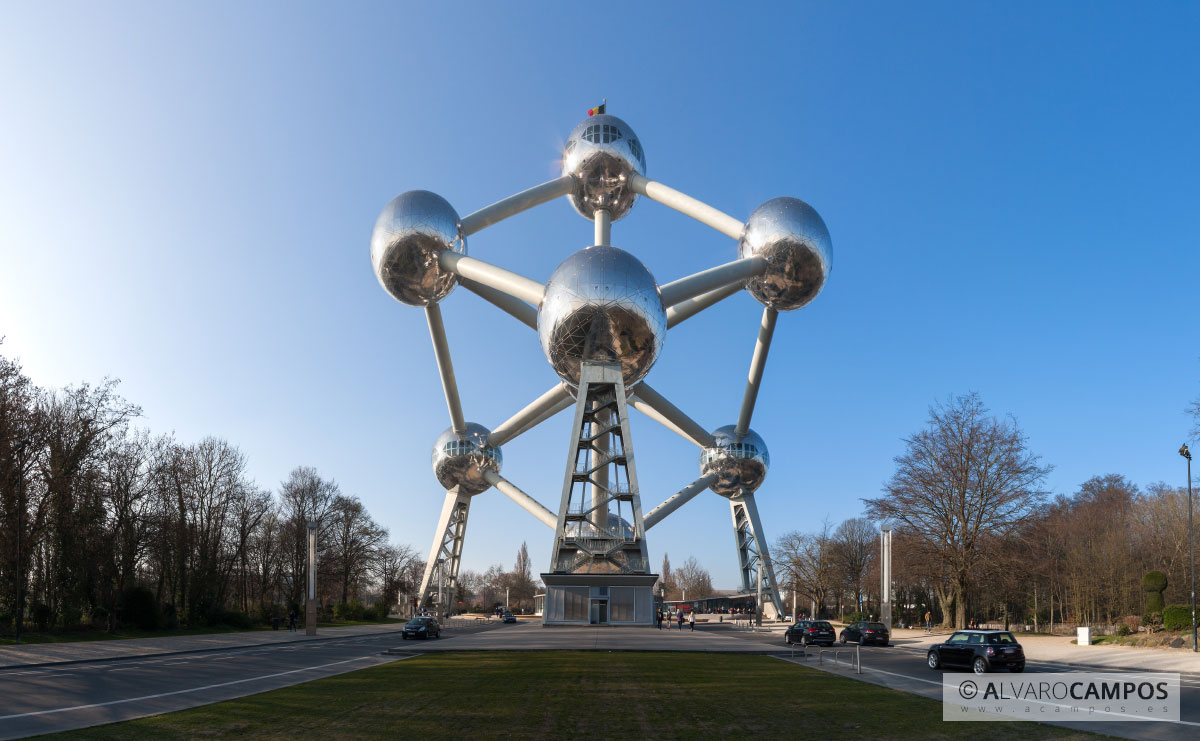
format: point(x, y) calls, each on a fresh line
point(752, 549)
point(600, 447)
point(310, 600)
point(441, 569)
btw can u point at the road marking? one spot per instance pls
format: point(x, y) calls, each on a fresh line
point(178, 692)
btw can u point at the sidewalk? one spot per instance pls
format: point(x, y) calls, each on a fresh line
point(1060, 650)
point(35, 654)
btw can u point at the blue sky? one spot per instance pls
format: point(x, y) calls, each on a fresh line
point(187, 193)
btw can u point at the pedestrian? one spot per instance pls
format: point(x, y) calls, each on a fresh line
point(292, 621)
point(658, 619)
point(928, 621)
point(692, 621)
point(681, 619)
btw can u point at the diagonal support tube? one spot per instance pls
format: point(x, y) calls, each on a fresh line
point(687, 205)
point(678, 291)
point(539, 410)
point(670, 416)
point(678, 499)
point(505, 281)
point(515, 204)
point(758, 364)
point(528, 503)
point(687, 309)
point(441, 350)
point(523, 312)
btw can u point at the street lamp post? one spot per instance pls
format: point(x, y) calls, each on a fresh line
point(885, 573)
point(21, 456)
point(310, 602)
point(1183, 450)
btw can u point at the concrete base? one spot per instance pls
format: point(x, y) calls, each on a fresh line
point(599, 599)
point(310, 617)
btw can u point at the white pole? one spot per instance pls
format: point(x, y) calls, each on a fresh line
point(515, 204)
point(603, 230)
point(687, 205)
point(670, 416)
point(505, 281)
point(758, 363)
point(698, 284)
point(506, 598)
point(441, 352)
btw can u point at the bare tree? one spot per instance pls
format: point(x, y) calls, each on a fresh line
point(692, 578)
point(855, 545)
point(808, 561)
point(964, 476)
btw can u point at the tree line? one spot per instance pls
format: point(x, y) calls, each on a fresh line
point(978, 538)
point(118, 526)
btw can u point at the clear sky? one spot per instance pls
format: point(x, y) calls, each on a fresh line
point(187, 193)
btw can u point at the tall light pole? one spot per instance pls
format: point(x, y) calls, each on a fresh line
point(310, 602)
point(1183, 450)
point(21, 456)
point(885, 574)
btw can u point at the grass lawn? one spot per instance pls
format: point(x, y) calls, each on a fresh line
point(540, 695)
point(72, 636)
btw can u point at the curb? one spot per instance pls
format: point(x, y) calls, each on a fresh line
point(70, 662)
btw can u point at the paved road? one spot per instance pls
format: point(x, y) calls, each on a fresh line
point(47, 699)
point(903, 667)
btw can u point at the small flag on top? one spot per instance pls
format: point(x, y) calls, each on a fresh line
point(598, 109)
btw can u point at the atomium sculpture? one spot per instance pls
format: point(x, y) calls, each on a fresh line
point(601, 320)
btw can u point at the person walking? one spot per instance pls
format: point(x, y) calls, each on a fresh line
point(681, 620)
point(292, 621)
point(928, 621)
point(692, 621)
point(658, 618)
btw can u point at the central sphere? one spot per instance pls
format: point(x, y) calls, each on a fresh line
point(740, 463)
point(601, 153)
point(602, 305)
point(460, 459)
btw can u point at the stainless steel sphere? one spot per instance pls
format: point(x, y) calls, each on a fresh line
point(412, 231)
point(740, 464)
point(790, 234)
point(602, 305)
point(460, 458)
point(601, 153)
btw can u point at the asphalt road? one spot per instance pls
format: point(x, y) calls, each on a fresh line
point(49, 699)
point(904, 668)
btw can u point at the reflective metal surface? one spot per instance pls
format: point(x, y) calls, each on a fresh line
point(602, 305)
point(600, 154)
point(618, 527)
point(409, 235)
point(739, 464)
point(459, 459)
point(793, 239)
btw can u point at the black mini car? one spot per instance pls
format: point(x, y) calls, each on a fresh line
point(508, 617)
point(421, 627)
point(806, 632)
point(978, 650)
point(865, 633)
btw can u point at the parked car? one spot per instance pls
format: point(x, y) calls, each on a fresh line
point(807, 632)
point(421, 627)
point(508, 617)
point(978, 650)
point(864, 632)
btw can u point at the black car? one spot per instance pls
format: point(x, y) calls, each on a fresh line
point(864, 632)
point(978, 650)
point(806, 632)
point(509, 617)
point(421, 627)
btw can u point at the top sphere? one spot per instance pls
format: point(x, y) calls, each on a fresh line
point(790, 234)
point(409, 234)
point(601, 153)
point(602, 305)
point(740, 463)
